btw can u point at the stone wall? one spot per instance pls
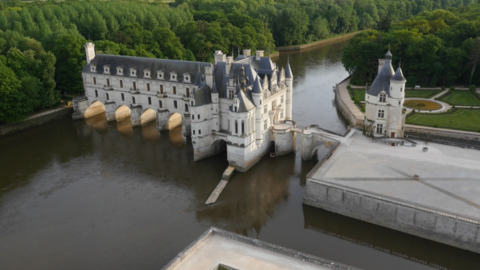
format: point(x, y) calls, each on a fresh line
point(34, 121)
point(346, 112)
point(428, 223)
point(441, 133)
point(318, 43)
point(284, 142)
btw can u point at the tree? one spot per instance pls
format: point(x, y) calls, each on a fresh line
point(70, 56)
point(474, 56)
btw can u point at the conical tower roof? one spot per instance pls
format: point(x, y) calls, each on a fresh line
point(288, 70)
point(257, 87)
point(382, 81)
point(398, 75)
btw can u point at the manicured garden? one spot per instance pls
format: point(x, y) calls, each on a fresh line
point(464, 119)
point(462, 98)
point(421, 93)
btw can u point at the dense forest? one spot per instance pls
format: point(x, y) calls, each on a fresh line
point(41, 42)
point(436, 48)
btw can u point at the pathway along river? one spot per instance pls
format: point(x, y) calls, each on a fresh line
point(92, 195)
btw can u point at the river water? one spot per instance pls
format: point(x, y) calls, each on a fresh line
point(92, 195)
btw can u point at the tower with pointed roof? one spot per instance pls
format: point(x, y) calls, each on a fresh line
point(289, 82)
point(384, 114)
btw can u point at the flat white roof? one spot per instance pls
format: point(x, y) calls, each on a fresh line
point(238, 252)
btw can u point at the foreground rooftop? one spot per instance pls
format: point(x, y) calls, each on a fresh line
point(216, 248)
point(446, 178)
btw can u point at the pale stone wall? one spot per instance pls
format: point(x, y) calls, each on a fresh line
point(420, 221)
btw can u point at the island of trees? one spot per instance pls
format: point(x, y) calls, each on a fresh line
point(41, 42)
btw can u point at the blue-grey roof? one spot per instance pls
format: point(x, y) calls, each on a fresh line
point(245, 104)
point(382, 81)
point(214, 89)
point(257, 87)
point(288, 71)
point(399, 76)
point(142, 63)
point(202, 95)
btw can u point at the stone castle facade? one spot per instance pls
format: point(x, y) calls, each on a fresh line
point(231, 104)
point(384, 113)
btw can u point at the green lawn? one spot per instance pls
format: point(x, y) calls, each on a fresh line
point(360, 93)
point(421, 93)
point(464, 98)
point(464, 119)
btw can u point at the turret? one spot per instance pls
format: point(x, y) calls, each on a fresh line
point(215, 108)
point(257, 95)
point(289, 83)
point(397, 86)
point(90, 51)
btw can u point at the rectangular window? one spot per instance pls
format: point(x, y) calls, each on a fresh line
point(186, 107)
point(108, 82)
point(193, 132)
point(230, 94)
point(161, 89)
point(188, 92)
point(160, 103)
point(198, 116)
point(199, 132)
point(193, 116)
point(94, 80)
point(123, 97)
point(148, 87)
point(174, 90)
point(383, 98)
point(149, 101)
point(107, 96)
point(381, 113)
point(133, 100)
point(96, 93)
point(175, 104)
point(134, 86)
point(121, 84)
point(380, 128)
point(236, 127)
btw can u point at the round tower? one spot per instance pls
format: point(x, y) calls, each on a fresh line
point(257, 95)
point(215, 108)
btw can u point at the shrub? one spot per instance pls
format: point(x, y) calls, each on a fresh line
point(473, 88)
point(443, 88)
point(452, 88)
point(349, 87)
point(435, 126)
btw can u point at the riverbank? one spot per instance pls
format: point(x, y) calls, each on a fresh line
point(318, 43)
point(35, 120)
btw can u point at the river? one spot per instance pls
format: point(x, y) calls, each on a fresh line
point(96, 195)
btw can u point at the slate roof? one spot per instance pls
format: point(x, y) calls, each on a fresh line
point(382, 81)
point(143, 63)
point(202, 95)
point(257, 87)
point(288, 71)
point(398, 75)
point(245, 104)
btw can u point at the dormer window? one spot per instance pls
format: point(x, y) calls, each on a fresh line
point(106, 69)
point(93, 68)
point(133, 72)
point(160, 75)
point(173, 76)
point(120, 70)
point(383, 98)
point(146, 73)
point(186, 77)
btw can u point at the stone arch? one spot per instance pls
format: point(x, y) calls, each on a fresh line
point(122, 112)
point(174, 120)
point(96, 107)
point(148, 115)
point(218, 146)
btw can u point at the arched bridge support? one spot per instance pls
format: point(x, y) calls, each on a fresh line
point(80, 105)
point(162, 119)
point(136, 115)
point(312, 141)
point(110, 108)
point(284, 141)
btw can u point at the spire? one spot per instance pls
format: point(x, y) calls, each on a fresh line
point(257, 87)
point(388, 56)
point(398, 75)
point(288, 70)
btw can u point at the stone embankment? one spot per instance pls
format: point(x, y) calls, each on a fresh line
point(35, 120)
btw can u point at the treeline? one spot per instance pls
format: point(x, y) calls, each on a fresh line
point(56, 32)
point(438, 48)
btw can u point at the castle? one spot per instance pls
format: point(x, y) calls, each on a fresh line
point(231, 104)
point(384, 114)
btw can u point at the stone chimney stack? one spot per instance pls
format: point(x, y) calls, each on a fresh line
point(90, 51)
point(258, 55)
point(219, 57)
point(247, 52)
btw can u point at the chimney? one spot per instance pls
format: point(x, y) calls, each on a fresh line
point(246, 52)
point(219, 57)
point(258, 55)
point(90, 51)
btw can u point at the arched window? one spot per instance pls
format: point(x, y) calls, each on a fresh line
point(133, 100)
point(243, 127)
point(236, 127)
point(160, 103)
